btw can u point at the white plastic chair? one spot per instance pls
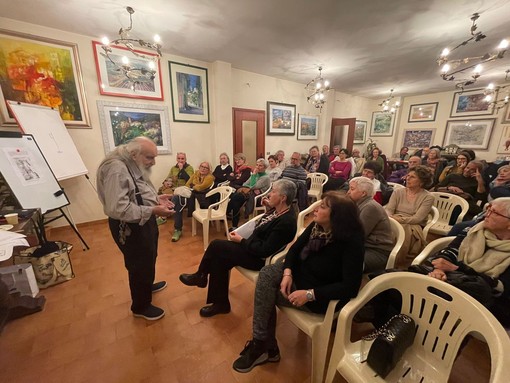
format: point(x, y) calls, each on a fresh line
point(258, 208)
point(302, 216)
point(399, 236)
point(215, 212)
point(431, 220)
point(317, 181)
point(396, 185)
point(445, 203)
point(444, 316)
point(431, 248)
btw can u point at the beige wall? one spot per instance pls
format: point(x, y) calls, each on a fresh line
point(228, 87)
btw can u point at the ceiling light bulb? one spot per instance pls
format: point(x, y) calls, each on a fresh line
point(397, 103)
point(490, 86)
point(321, 96)
point(326, 83)
point(318, 85)
point(445, 52)
point(157, 38)
point(125, 60)
point(503, 44)
point(446, 68)
point(105, 40)
point(477, 69)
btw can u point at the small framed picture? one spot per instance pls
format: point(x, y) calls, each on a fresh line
point(504, 142)
point(506, 115)
point(190, 93)
point(423, 112)
point(121, 122)
point(281, 118)
point(113, 82)
point(360, 131)
point(382, 124)
point(418, 138)
point(470, 103)
point(469, 134)
point(308, 127)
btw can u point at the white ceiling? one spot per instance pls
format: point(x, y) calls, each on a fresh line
point(366, 47)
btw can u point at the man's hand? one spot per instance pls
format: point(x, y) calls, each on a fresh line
point(164, 200)
point(438, 274)
point(444, 265)
point(180, 165)
point(162, 210)
point(455, 190)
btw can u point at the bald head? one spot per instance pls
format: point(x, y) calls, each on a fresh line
point(414, 161)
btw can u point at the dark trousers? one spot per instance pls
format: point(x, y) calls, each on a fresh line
point(219, 258)
point(237, 200)
point(140, 251)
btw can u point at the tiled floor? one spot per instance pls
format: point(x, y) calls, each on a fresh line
point(86, 332)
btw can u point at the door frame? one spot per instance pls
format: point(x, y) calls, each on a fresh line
point(259, 116)
point(351, 122)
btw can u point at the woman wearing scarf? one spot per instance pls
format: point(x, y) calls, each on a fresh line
point(222, 171)
point(316, 163)
point(325, 263)
point(241, 172)
point(435, 164)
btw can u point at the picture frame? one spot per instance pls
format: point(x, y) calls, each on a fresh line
point(423, 112)
point(281, 118)
point(121, 122)
point(112, 82)
point(470, 103)
point(360, 132)
point(418, 138)
point(506, 115)
point(469, 134)
point(190, 93)
point(30, 64)
point(382, 124)
point(308, 127)
point(504, 142)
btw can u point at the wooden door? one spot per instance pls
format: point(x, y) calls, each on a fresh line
point(342, 133)
point(249, 132)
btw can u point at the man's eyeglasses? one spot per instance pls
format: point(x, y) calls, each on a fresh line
point(490, 210)
point(295, 159)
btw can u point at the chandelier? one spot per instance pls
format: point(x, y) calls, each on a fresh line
point(136, 71)
point(450, 68)
point(492, 93)
point(386, 105)
point(319, 87)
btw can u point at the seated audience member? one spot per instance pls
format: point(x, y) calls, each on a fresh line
point(222, 171)
point(358, 162)
point(403, 155)
point(200, 181)
point(410, 207)
point(241, 172)
point(339, 171)
point(178, 175)
point(336, 152)
point(257, 183)
point(316, 163)
point(325, 150)
point(376, 225)
point(476, 261)
point(435, 164)
point(382, 191)
point(325, 263)
point(273, 171)
point(274, 230)
point(468, 185)
point(460, 163)
point(375, 155)
point(295, 173)
point(423, 154)
point(282, 161)
point(399, 176)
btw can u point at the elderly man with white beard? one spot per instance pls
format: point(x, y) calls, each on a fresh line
point(131, 202)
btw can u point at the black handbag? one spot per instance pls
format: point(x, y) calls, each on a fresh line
point(390, 343)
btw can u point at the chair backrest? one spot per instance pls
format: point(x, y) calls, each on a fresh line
point(432, 248)
point(317, 180)
point(224, 192)
point(395, 185)
point(444, 316)
point(431, 220)
point(257, 201)
point(302, 215)
point(446, 202)
point(399, 236)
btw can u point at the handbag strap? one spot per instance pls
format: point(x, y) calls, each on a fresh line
point(383, 330)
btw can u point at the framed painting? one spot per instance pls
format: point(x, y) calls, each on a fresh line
point(41, 71)
point(504, 142)
point(190, 94)
point(418, 138)
point(423, 112)
point(113, 82)
point(121, 122)
point(469, 134)
point(281, 118)
point(308, 127)
point(360, 131)
point(506, 115)
point(470, 103)
point(382, 124)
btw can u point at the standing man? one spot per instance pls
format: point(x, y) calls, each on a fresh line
point(131, 202)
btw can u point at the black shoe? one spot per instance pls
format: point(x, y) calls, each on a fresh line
point(273, 354)
point(214, 309)
point(158, 286)
point(150, 313)
point(254, 353)
point(196, 279)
